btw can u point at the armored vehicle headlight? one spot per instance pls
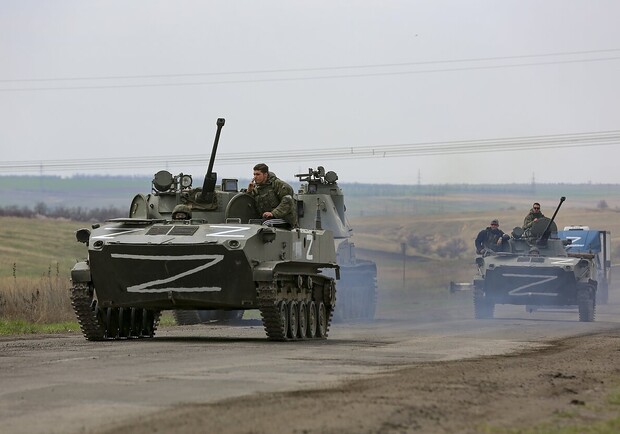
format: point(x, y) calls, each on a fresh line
point(186, 181)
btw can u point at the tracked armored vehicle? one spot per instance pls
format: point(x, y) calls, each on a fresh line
point(186, 248)
point(534, 269)
point(320, 199)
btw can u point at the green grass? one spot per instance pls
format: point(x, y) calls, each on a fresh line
point(21, 327)
point(39, 247)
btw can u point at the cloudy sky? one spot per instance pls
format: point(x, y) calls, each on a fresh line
point(384, 91)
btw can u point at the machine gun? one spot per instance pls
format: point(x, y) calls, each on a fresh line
point(208, 186)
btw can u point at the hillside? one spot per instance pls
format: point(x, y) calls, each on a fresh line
point(361, 199)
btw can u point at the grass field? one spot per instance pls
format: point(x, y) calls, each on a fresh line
point(36, 256)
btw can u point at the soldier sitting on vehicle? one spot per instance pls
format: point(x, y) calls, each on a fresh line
point(273, 197)
point(491, 238)
point(533, 216)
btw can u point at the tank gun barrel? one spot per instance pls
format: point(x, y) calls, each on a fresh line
point(208, 186)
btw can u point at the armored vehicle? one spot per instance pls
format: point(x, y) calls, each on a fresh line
point(186, 248)
point(321, 200)
point(535, 269)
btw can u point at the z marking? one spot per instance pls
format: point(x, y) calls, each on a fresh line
point(229, 231)
point(149, 286)
point(542, 280)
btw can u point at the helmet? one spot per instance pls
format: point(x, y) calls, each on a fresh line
point(181, 212)
point(495, 222)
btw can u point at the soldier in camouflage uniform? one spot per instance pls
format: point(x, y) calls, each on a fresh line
point(533, 216)
point(273, 197)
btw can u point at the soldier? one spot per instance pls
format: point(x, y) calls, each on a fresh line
point(491, 238)
point(273, 197)
point(181, 212)
point(533, 216)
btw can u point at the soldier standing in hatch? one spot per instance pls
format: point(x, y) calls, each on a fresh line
point(491, 238)
point(533, 216)
point(273, 197)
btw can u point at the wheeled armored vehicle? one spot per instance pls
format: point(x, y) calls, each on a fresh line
point(186, 248)
point(534, 269)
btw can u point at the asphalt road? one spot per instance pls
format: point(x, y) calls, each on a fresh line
point(65, 384)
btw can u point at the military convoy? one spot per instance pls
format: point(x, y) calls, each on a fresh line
point(185, 248)
point(534, 269)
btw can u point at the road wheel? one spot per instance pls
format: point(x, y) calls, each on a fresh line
point(293, 322)
point(302, 317)
point(312, 320)
point(284, 317)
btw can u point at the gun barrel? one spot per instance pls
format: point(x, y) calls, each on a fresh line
point(546, 232)
point(208, 186)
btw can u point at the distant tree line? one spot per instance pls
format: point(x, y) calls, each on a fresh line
point(74, 213)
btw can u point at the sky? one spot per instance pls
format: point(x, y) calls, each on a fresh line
point(398, 92)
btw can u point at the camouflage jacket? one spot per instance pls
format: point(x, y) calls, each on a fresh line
point(276, 196)
point(529, 219)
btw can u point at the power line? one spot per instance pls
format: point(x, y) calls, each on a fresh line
point(311, 69)
point(307, 78)
point(309, 154)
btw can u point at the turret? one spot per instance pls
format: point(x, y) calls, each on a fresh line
point(208, 186)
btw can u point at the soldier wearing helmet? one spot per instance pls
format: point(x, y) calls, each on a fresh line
point(181, 212)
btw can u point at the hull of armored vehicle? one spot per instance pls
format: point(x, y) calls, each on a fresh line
point(137, 265)
point(535, 271)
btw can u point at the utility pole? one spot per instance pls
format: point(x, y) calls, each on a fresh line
point(403, 248)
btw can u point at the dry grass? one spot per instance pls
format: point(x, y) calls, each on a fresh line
point(36, 300)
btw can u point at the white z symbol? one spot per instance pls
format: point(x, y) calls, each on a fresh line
point(309, 255)
point(543, 279)
point(148, 286)
point(228, 232)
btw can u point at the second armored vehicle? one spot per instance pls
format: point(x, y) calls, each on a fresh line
point(535, 269)
point(321, 199)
